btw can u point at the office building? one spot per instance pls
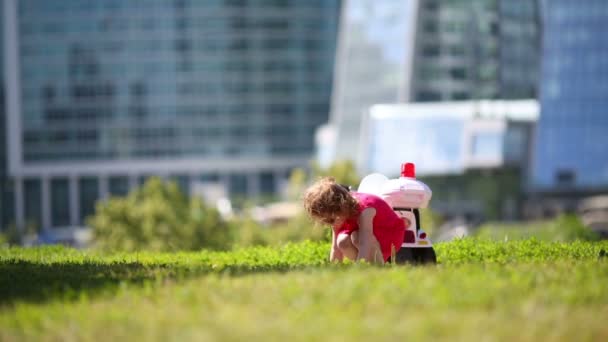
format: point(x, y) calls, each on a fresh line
point(427, 51)
point(101, 94)
point(474, 155)
point(479, 49)
point(570, 161)
point(448, 137)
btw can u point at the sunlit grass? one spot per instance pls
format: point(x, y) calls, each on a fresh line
point(481, 290)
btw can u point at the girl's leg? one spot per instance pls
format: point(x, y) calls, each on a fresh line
point(346, 246)
point(375, 256)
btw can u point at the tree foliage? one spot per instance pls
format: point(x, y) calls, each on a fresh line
point(158, 217)
point(344, 171)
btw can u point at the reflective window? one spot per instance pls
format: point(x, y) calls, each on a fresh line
point(89, 194)
point(487, 145)
point(238, 184)
point(104, 79)
point(33, 203)
point(435, 142)
point(267, 183)
point(118, 185)
point(516, 144)
point(573, 97)
point(60, 202)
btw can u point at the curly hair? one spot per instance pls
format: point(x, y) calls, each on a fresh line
point(326, 199)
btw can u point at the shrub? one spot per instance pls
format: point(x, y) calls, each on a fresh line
point(566, 227)
point(158, 217)
point(299, 228)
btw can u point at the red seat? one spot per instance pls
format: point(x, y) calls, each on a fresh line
point(410, 237)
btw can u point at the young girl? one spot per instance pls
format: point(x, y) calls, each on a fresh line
point(364, 227)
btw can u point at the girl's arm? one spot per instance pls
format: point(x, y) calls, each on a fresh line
point(335, 254)
point(368, 245)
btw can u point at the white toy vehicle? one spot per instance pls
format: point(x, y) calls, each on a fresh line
point(406, 195)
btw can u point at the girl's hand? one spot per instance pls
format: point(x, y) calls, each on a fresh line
point(407, 222)
point(335, 254)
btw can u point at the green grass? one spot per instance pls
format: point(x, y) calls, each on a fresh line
point(481, 290)
point(562, 228)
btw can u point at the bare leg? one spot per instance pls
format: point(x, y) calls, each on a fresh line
point(375, 256)
point(346, 246)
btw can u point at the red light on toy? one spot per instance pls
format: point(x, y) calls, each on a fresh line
point(408, 170)
point(423, 235)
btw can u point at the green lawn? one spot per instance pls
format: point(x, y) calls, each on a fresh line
point(481, 290)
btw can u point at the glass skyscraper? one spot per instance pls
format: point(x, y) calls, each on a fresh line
point(395, 51)
point(104, 93)
point(475, 49)
point(372, 66)
point(572, 132)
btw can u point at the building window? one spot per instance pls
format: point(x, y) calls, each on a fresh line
point(458, 73)
point(210, 178)
point(60, 202)
point(515, 144)
point(238, 184)
point(431, 6)
point(457, 50)
point(89, 194)
point(430, 51)
point(428, 95)
point(565, 177)
point(33, 204)
point(119, 185)
point(430, 27)
point(267, 183)
point(461, 95)
point(486, 146)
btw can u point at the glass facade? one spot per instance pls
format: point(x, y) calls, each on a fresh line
point(449, 138)
point(519, 52)
point(476, 49)
point(373, 61)
point(435, 143)
point(117, 79)
point(111, 92)
point(88, 196)
point(572, 133)
point(32, 206)
point(60, 202)
point(395, 51)
point(119, 186)
point(487, 145)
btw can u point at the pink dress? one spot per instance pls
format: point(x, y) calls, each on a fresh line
point(389, 229)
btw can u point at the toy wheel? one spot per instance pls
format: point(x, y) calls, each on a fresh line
point(416, 256)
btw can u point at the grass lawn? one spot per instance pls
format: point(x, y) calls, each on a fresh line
point(481, 290)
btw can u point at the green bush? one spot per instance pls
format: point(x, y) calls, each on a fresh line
point(10, 236)
point(566, 227)
point(158, 217)
point(343, 171)
point(297, 229)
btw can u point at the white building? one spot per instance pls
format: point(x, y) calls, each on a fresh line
point(447, 137)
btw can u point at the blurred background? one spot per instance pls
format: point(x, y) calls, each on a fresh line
point(182, 124)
